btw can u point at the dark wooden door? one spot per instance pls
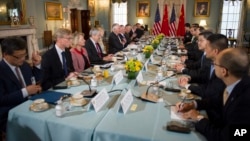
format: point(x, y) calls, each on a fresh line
point(85, 23)
point(74, 20)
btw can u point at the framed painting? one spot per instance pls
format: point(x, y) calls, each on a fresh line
point(53, 11)
point(202, 8)
point(91, 7)
point(10, 9)
point(143, 8)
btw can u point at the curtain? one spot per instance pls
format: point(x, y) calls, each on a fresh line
point(241, 31)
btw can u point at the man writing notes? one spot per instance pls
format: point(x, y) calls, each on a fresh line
point(18, 79)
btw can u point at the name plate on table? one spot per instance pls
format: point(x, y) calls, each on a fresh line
point(145, 68)
point(139, 78)
point(139, 57)
point(126, 102)
point(152, 59)
point(118, 77)
point(99, 100)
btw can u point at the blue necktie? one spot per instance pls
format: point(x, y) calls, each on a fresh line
point(202, 59)
point(211, 70)
point(64, 63)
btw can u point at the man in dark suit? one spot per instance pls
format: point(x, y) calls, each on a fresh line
point(214, 86)
point(18, 79)
point(188, 35)
point(116, 44)
point(200, 67)
point(137, 32)
point(95, 53)
point(57, 62)
point(231, 66)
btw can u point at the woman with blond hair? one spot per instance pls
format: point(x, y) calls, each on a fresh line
point(79, 54)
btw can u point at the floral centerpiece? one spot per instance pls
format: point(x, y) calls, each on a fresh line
point(155, 43)
point(157, 40)
point(148, 50)
point(132, 67)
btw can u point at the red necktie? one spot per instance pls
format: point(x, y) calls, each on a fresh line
point(19, 77)
point(98, 50)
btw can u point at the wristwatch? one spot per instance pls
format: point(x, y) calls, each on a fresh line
point(199, 117)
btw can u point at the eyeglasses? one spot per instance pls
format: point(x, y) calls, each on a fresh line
point(213, 63)
point(68, 38)
point(19, 57)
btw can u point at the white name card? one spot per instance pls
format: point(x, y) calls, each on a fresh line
point(139, 77)
point(118, 77)
point(126, 102)
point(152, 59)
point(145, 68)
point(139, 57)
point(99, 100)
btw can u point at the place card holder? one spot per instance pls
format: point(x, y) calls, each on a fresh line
point(99, 101)
point(125, 102)
point(118, 77)
point(145, 67)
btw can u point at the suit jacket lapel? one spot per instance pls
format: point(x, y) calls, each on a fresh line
point(10, 73)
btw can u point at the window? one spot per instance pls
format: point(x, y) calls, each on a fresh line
point(119, 11)
point(230, 20)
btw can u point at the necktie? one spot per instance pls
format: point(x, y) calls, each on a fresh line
point(64, 64)
point(19, 77)
point(211, 71)
point(98, 50)
point(202, 59)
point(225, 96)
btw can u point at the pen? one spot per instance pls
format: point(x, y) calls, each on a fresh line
point(182, 102)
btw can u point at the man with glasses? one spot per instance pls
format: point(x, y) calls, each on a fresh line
point(211, 90)
point(57, 63)
point(18, 79)
point(231, 66)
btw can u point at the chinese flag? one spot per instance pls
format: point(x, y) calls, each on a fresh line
point(165, 24)
point(181, 25)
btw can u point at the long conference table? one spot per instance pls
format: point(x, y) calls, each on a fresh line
point(146, 122)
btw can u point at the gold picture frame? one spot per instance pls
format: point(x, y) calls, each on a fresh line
point(202, 8)
point(143, 8)
point(91, 7)
point(53, 11)
point(6, 12)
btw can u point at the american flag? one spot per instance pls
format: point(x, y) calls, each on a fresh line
point(157, 24)
point(172, 23)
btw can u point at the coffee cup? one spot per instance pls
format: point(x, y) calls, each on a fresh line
point(77, 98)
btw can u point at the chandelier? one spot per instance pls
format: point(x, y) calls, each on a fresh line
point(232, 1)
point(118, 1)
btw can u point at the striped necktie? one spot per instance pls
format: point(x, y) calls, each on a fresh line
point(64, 64)
point(225, 97)
point(98, 50)
point(19, 77)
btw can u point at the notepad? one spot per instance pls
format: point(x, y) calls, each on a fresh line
point(49, 96)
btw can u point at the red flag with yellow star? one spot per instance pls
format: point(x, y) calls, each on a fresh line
point(165, 24)
point(181, 25)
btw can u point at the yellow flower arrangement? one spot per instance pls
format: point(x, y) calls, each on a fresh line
point(148, 49)
point(133, 65)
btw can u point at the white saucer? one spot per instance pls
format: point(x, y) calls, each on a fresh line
point(82, 103)
point(39, 107)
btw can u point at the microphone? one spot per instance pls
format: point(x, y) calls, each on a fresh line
point(90, 92)
point(152, 97)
